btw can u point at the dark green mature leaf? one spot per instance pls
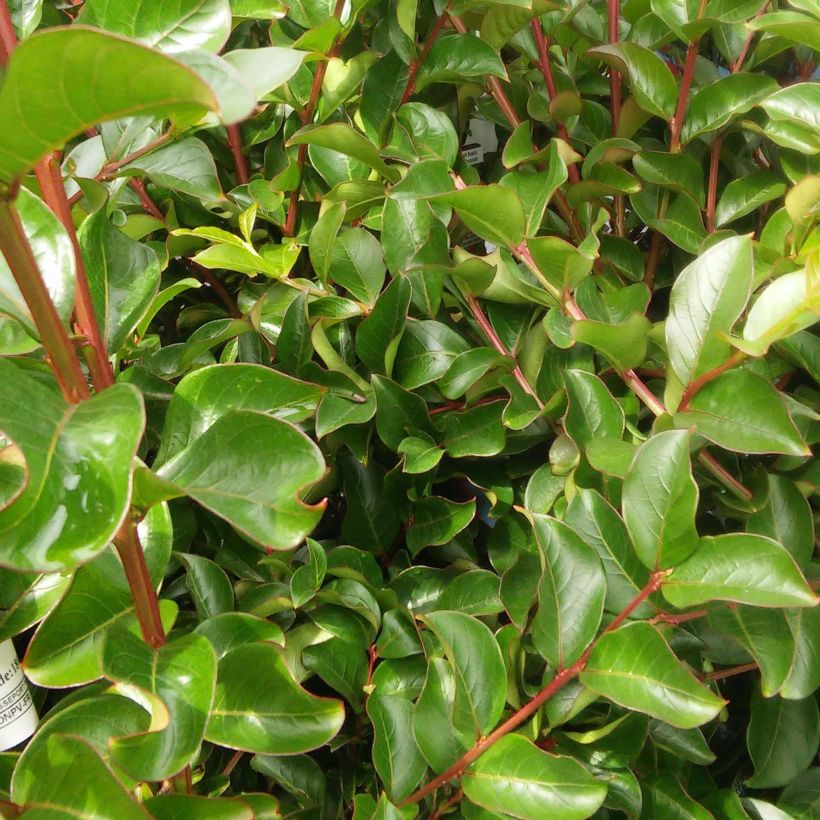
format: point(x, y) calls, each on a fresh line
point(653, 85)
point(378, 336)
point(570, 595)
point(592, 412)
point(634, 667)
point(244, 446)
point(660, 497)
point(41, 783)
point(592, 517)
point(436, 521)
point(268, 712)
point(396, 757)
point(209, 392)
point(782, 739)
point(110, 77)
point(178, 681)
point(78, 459)
point(741, 411)
point(459, 57)
point(514, 776)
point(740, 567)
point(479, 697)
point(744, 196)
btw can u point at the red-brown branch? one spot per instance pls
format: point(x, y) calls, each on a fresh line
point(240, 161)
point(562, 677)
point(711, 196)
point(720, 674)
point(410, 87)
point(709, 376)
point(614, 76)
point(306, 116)
point(8, 37)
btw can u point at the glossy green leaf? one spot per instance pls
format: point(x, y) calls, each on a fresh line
point(479, 698)
point(378, 336)
point(231, 629)
point(740, 567)
point(570, 595)
point(40, 778)
point(209, 392)
point(653, 85)
point(782, 739)
point(515, 777)
point(660, 497)
point(634, 667)
point(244, 446)
point(459, 57)
point(114, 79)
point(178, 681)
point(208, 584)
point(707, 299)
point(494, 212)
point(307, 579)
point(78, 459)
point(436, 521)
point(744, 196)
point(741, 411)
point(268, 713)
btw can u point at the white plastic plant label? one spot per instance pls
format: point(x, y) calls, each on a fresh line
point(18, 717)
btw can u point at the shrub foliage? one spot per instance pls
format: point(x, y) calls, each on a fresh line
point(406, 407)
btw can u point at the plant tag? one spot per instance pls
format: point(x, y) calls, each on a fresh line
point(18, 717)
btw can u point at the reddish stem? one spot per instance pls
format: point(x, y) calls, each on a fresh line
point(747, 43)
point(434, 32)
point(50, 178)
point(218, 288)
point(711, 198)
point(139, 580)
point(562, 677)
point(729, 672)
point(710, 375)
point(8, 37)
point(676, 620)
point(306, 116)
point(685, 87)
point(614, 76)
point(489, 331)
point(138, 187)
point(240, 161)
point(231, 765)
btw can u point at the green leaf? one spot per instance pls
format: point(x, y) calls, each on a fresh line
point(799, 28)
point(680, 172)
point(65, 650)
point(634, 667)
point(33, 602)
point(226, 470)
point(123, 276)
point(475, 432)
point(208, 393)
point(455, 57)
point(231, 629)
point(782, 739)
point(265, 69)
point(786, 518)
point(747, 569)
point(766, 636)
point(40, 783)
point(343, 138)
point(437, 521)
point(178, 681)
point(179, 806)
point(425, 352)
point(78, 459)
point(502, 21)
point(624, 344)
point(515, 777)
point(54, 255)
point(592, 412)
point(378, 336)
point(707, 298)
point(742, 411)
point(796, 104)
point(660, 497)
point(396, 757)
point(110, 77)
point(653, 85)
point(592, 517)
point(430, 132)
point(341, 666)
point(208, 584)
point(307, 579)
point(185, 165)
point(716, 104)
point(268, 713)
point(183, 26)
point(743, 196)
point(494, 212)
point(398, 412)
point(480, 688)
point(570, 595)
point(357, 264)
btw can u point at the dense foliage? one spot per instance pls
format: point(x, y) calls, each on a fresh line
point(447, 370)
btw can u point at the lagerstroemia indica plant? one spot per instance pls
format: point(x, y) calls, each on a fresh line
point(406, 407)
